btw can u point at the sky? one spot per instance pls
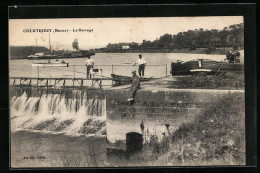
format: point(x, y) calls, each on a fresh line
point(102, 31)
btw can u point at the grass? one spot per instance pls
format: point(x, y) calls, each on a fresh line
point(203, 81)
point(216, 137)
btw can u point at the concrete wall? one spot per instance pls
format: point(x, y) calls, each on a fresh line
point(155, 110)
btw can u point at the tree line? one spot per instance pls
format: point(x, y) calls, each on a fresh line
point(17, 52)
point(232, 36)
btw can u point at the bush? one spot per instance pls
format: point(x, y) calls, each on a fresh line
point(217, 134)
point(210, 49)
point(202, 80)
point(235, 47)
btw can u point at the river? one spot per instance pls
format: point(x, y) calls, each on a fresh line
point(51, 131)
point(122, 65)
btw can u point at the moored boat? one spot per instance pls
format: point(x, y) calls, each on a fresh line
point(61, 54)
point(41, 64)
point(123, 80)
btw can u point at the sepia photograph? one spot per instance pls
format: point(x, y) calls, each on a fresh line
point(127, 92)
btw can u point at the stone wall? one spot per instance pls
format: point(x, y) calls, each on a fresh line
point(156, 113)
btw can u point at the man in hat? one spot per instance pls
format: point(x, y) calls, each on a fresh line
point(141, 62)
point(135, 85)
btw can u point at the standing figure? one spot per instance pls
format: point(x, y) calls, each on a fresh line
point(142, 127)
point(135, 86)
point(141, 62)
point(89, 64)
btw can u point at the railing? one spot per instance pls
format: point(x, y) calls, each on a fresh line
point(58, 82)
point(79, 71)
point(44, 80)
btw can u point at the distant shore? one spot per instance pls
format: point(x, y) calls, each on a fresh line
point(197, 51)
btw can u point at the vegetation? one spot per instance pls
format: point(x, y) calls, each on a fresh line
point(204, 81)
point(17, 52)
point(199, 38)
point(215, 137)
point(231, 37)
point(75, 44)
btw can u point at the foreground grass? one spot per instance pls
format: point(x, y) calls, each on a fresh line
point(203, 81)
point(216, 137)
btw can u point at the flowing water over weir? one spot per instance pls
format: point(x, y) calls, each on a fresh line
point(54, 113)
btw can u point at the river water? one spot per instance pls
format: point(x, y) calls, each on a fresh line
point(52, 131)
point(122, 65)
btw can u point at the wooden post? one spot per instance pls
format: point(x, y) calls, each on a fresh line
point(166, 69)
point(112, 69)
point(73, 73)
point(100, 83)
point(37, 72)
point(64, 83)
point(101, 80)
point(47, 85)
point(81, 84)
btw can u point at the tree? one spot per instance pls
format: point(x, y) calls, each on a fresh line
point(75, 44)
point(133, 45)
point(165, 41)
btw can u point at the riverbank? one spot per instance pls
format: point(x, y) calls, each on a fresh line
point(189, 51)
point(214, 137)
point(204, 81)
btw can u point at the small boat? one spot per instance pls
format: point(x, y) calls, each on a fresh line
point(49, 64)
point(61, 54)
point(205, 65)
point(42, 55)
point(124, 80)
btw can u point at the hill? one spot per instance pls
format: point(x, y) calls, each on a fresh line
point(20, 52)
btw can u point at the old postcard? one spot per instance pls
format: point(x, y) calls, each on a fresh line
point(116, 92)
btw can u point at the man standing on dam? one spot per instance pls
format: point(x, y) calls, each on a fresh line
point(141, 62)
point(135, 86)
point(89, 64)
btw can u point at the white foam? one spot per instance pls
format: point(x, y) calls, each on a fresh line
point(54, 111)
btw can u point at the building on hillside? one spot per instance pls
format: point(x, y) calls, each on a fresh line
point(119, 46)
point(124, 45)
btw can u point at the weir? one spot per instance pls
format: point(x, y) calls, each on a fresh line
point(72, 113)
point(156, 112)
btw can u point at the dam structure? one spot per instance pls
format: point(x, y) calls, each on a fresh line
point(58, 113)
point(157, 111)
